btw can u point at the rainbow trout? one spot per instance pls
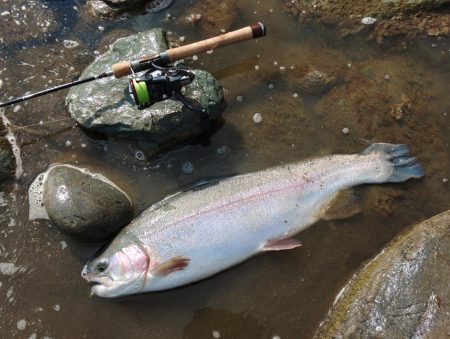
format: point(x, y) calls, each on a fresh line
point(197, 233)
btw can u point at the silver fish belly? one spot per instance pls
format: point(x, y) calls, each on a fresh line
point(195, 234)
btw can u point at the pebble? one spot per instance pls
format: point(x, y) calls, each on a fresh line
point(445, 180)
point(346, 130)
point(270, 86)
point(8, 268)
point(21, 324)
point(216, 334)
point(368, 20)
point(1, 83)
point(257, 118)
point(295, 95)
point(221, 151)
point(56, 307)
point(139, 155)
point(70, 43)
point(68, 143)
point(240, 98)
point(187, 168)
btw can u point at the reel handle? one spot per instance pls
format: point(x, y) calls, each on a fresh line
point(254, 31)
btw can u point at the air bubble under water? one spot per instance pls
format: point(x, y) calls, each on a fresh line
point(36, 198)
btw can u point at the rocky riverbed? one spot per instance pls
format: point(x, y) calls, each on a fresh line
point(321, 82)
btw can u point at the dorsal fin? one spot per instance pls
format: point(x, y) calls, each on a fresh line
point(203, 183)
point(196, 186)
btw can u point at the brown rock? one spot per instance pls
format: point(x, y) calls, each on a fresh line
point(402, 292)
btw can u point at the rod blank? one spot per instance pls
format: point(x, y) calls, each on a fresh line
point(124, 68)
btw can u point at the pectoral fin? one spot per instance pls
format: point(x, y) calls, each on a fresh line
point(344, 205)
point(280, 245)
point(172, 265)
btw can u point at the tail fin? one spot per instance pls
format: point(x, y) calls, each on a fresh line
point(404, 166)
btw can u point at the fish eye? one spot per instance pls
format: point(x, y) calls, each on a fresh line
point(102, 266)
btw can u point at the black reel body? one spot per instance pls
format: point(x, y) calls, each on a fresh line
point(160, 84)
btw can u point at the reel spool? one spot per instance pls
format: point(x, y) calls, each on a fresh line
point(162, 84)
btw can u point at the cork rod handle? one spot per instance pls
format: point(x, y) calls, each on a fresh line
point(257, 30)
point(243, 34)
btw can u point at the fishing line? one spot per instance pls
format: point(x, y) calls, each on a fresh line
point(16, 128)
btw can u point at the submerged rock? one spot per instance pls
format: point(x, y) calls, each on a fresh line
point(82, 204)
point(402, 293)
point(213, 16)
point(316, 82)
point(113, 9)
point(388, 18)
point(105, 106)
point(6, 161)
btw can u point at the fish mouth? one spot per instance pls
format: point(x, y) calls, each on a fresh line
point(105, 281)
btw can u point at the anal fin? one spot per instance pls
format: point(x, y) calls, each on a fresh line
point(281, 245)
point(343, 206)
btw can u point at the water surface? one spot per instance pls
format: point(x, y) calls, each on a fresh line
point(282, 294)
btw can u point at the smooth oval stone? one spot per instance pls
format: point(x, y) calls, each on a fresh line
point(85, 205)
point(402, 293)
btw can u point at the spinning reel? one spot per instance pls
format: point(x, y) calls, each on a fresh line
point(162, 83)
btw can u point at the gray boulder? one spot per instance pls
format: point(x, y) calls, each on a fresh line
point(105, 106)
point(85, 205)
point(6, 161)
point(402, 293)
point(112, 9)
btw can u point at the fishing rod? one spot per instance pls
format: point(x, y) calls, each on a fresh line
point(161, 81)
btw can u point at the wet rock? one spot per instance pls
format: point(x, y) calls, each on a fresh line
point(402, 293)
point(105, 106)
point(102, 10)
point(85, 205)
point(316, 82)
point(6, 161)
point(113, 9)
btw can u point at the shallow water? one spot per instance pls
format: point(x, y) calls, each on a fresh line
point(282, 294)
